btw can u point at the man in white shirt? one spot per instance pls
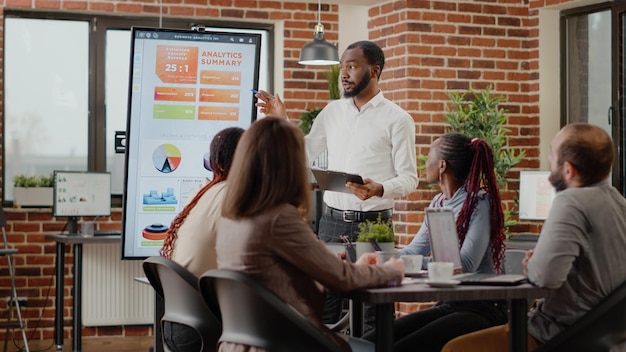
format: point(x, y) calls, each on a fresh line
point(365, 134)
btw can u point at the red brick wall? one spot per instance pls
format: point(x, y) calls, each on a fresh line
point(432, 47)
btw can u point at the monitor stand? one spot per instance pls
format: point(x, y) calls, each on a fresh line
point(72, 225)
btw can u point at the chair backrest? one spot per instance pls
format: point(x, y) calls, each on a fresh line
point(252, 315)
point(183, 301)
point(513, 261)
point(603, 327)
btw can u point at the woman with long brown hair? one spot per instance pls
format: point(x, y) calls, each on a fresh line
point(190, 238)
point(464, 170)
point(264, 231)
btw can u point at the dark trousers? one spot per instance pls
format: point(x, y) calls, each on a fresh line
point(181, 338)
point(329, 231)
point(430, 329)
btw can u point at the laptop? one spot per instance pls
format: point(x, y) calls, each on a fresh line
point(329, 180)
point(444, 242)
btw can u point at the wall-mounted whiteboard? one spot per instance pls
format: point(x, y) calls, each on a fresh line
point(184, 87)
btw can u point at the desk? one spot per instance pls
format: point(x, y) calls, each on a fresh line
point(77, 282)
point(384, 298)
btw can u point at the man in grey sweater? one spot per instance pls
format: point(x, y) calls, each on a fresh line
point(581, 244)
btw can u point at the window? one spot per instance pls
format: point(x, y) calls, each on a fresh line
point(46, 95)
point(63, 107)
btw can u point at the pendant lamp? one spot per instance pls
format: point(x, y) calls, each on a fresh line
point(319, 51)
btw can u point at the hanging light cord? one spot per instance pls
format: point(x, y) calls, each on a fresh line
point(319, 11)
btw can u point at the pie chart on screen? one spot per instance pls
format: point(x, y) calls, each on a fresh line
point(166, 158)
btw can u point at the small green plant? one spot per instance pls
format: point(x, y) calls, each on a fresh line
point(33, 181)
point(380, 230)
point(307, 118)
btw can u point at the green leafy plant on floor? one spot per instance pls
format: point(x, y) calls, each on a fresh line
point(380, 230)
point(477, 114)
point(33, 181)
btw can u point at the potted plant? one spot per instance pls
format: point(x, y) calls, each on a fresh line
point(33, 190)
point(379, 230)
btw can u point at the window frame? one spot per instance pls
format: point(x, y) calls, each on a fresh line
point(617, 101)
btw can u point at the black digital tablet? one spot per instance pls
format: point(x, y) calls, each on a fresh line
point(330, 180)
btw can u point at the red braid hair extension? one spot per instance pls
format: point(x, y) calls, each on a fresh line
point(482, 177)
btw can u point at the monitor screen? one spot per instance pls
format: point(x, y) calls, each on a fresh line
point(535, 195)
point(184, 87)
point(79, 193)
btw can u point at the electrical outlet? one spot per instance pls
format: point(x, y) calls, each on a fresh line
point(22, 301)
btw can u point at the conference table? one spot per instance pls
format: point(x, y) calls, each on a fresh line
point(77, 282)
point(384, 298)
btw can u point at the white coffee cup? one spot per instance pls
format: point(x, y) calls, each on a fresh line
point(412, 262)
point(440, 271)
point(87, 228)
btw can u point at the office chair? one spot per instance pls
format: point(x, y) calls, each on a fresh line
point(183, 303)
point(9, 254)
point(603, 327)
point(253, 315)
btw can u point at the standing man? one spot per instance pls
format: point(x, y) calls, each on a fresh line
point(581, 244)
point(365, 134)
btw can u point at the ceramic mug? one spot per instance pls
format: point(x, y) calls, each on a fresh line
point(412, 262)
point(440, 271)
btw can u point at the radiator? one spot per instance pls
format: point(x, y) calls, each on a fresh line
point(111, 296)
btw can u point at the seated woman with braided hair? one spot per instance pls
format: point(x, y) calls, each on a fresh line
point(190, 238)
point(464, 170)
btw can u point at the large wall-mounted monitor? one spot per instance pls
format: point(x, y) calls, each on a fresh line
point(535, 195)
point(184, 87)
point(79, 193)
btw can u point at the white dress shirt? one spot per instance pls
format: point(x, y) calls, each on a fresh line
point(377, 142)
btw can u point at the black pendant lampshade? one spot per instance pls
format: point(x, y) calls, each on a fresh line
point(319, 51)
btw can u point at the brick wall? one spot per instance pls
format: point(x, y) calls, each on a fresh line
point(432, 47)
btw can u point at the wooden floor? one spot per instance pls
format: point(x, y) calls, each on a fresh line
point(91, 344)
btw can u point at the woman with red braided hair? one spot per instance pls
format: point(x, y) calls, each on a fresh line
point(464, 170)
point(190, 239)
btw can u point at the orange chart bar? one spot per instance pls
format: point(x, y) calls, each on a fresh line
point(174, 94)
point(219, 95)
point(218, 113)
point(228, 78)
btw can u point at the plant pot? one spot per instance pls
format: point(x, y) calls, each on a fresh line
point(32, 196)
point(366, 247)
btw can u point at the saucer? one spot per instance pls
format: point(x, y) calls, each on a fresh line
point(443, 284)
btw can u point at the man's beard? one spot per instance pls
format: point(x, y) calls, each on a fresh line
point(365, 81)
point(556, 179)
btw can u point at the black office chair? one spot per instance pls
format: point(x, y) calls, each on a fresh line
point(252, 315)
point(603, 327)
point(183, 301)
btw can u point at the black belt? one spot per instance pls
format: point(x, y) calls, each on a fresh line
point(358, 216)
